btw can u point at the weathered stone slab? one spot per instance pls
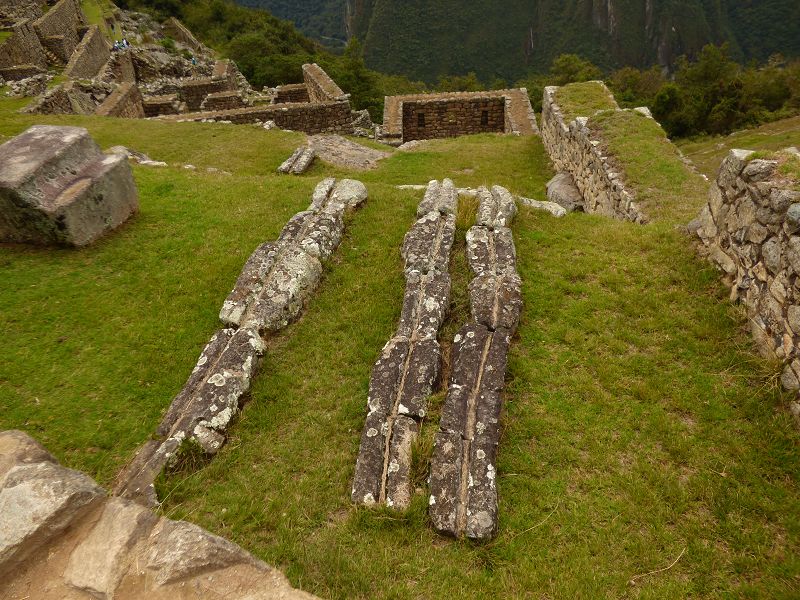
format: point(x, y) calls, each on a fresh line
point(57, 187)
point(347, 194)
point(485, 404)
point(481, 506)
point(18, 448)
point(496, 300)
point(322, 194)
point(290, 284)
point(446, 464)
point(439, 197)
point(562, 190)
point(37, 503)
point(425, 305)
point(368, 477)
point(101, 560)
point(427, 244)
point(249, 283)
point(497, 208)
point(421, 378)
point(386, 376)
point(322, 235)
point(398, 471)
point(491, 251)
point(299, 162)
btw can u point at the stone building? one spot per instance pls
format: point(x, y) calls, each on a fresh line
point(428, 116)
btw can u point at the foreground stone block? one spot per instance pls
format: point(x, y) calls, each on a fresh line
point(497, 208)
point(38, 502)
point(425, 305)
point(57, 187)
point(491, 251)
point(496, 300)
point(62, 538)
point(439, 197)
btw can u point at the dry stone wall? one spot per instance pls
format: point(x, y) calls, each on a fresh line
point(321, 88)
point(223, 101)
point(441, 118)
point(750, 229)
point(297, 92)
point(125, 102)
point(408, 370)
point(574, 150)
point(14, 11)
point(22, 48)
point(463, 500)
point(331, 117)
point(276, 283)
point(89, 57)
point(60, 29)
point(64, 538)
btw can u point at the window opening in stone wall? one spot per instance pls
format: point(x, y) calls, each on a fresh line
point(484, 117)
point(420, 119)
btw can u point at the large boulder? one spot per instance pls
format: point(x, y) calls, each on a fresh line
point(562, 190)
point(57, 187)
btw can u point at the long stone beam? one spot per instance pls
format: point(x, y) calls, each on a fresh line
point(408, 370)
point(463, 500)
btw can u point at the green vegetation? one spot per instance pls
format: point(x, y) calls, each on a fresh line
point(707, 153)
point(4, 35)
point(100, 12)
point(639, 427)
point(583, 100)
point(430, 39)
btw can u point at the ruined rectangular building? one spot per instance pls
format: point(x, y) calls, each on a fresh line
point(428, 116)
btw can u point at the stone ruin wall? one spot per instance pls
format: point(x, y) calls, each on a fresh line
point(59, 28)
point(179, 32)
point(330, 117)
point(321, 88)
point(90, 56)
point(22, 48)
point(13, 11)
point(574, 150)
point(443, 118)
point(125, 102)
point(119, 68)
point(750, 229)
point(295, 92)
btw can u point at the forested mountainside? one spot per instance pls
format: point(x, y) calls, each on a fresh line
point(425, 39)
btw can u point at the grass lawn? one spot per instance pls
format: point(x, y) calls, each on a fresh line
point(707, 153)
point(639, 425)
point(583, 100)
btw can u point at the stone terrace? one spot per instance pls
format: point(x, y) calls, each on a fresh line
point(518, 119)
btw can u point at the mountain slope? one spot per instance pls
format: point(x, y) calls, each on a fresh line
point(425, 39)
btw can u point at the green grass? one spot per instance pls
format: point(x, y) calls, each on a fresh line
point(639, 424)
point(4, 35)
point(583, 100)
point(707, 153)
point(97, 11)
point(652, 166)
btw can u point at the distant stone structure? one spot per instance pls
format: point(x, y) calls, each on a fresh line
point(60, 30)
point(429, 116)
point(574, 150)
point(750, 229)
point(62, 536)
point(57, 187)
point(90, 55)
point(125, 102)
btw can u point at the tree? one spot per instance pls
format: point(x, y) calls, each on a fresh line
point(571, 68)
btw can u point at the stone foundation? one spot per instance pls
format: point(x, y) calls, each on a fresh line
point(90, 56)
point(125, 102)
point(574, 150)
point(331, 117)
point(750, 229)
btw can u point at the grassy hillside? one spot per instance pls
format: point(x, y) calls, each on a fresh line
point(707, 153)
point(640, 430)
point(426, 39)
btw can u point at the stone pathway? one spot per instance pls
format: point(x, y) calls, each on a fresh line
point(463, 500)
point(341, 152)
point(63, 538)
point(273, 289)
point(408, 370)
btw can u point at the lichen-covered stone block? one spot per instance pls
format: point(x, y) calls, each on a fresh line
point(299, 162)
point(439, 197)
point(398, 469)
point(491, 251)
point(425, 304)
point(57, 187)
point(250, 283)
point(496, 300)
point(445, 483)
point(386, 376)
point(427, 245)
point(368, 477)
point(497, 208)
